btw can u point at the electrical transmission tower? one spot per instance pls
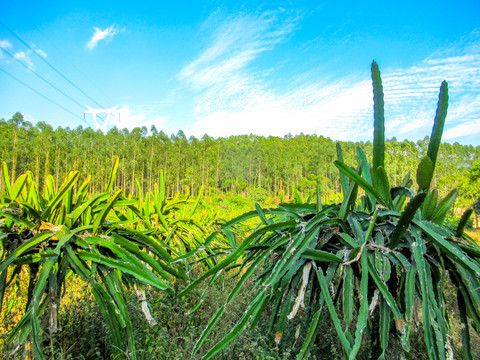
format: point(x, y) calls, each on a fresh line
point(111, 114)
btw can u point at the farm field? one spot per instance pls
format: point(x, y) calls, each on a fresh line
point(374, 257)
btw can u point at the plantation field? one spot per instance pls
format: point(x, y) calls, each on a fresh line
point(356, 262)
point(82, 333)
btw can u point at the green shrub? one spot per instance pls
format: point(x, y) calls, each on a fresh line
point(238, 202)
point(258, 194)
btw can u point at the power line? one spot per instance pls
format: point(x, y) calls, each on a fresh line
point(50, 65)
point(65, 56)
point(41, 77)
point(39, 93)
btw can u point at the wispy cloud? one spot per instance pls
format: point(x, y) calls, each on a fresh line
point(235, 43)
point(24, 56)
point(335, 111)
point(5, 44)
point(41, 53)
point(233, 96)
point(106, 35)
point(411, 93)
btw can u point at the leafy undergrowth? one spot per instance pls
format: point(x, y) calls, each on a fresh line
point(84, 335)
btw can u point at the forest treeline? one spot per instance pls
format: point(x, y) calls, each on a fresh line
point(250, 165)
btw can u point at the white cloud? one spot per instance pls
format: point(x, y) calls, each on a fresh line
point(411, 94)
point(41, 53)
point(465, 115)
point(5, 44)
point(275, 114)
point(130, 119)
point(235, 43)
point(24, 57)
point(106, 35)
point(234, 99)
point(231, 96)
point(468, 128)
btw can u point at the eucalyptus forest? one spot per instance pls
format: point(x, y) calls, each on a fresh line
point(248, 165)
point(139, 245)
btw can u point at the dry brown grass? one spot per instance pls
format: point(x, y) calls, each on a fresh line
point(474, 234)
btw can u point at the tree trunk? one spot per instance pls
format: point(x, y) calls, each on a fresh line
point(191, 180)
point(53, 322)
point(218, 165)
point(144, 305)
point(14, 159)
point(46, 171)
point(150, 171)
point(57, 167)
point(132, 188)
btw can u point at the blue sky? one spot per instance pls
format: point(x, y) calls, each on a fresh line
point(228, 68)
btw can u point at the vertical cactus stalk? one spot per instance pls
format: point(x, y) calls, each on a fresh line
point(439, 123)
point(379, 119)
